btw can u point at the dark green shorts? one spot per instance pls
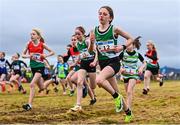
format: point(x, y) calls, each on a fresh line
point(153, 70)
point(76, 68)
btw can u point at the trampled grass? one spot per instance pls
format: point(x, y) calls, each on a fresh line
point(161, 105)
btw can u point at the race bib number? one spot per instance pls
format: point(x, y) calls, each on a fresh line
point(36, 57)
point(105, 46)
point(75, 58)
point(148, 60)
point(84, 54)
point(130, 70)
point(46, 71)
point(61, 72)
point(16, 67)
point(2, 66)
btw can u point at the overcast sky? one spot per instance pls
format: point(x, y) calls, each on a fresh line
point(158, 20)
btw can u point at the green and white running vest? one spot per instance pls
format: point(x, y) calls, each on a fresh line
point(104, 42)
point(84, 52)
point(129, 63)
point(61, 68)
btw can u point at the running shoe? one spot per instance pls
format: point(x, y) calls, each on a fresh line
point(161, 82)
point(93, 101)
point(64, 93)
point(47, 91)
point(24, 91)
point(119, 103)
point(20, 88)
point(56, 90)
point(71, 93)
point(76, 108)
point(128, 118)
point(85, 91)
point(27, 107)
point(145, 92)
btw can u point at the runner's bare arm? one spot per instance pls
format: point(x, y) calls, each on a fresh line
point(49, 50)
point(24, 53)
point(127, 36)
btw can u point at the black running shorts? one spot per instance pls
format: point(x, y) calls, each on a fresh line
point(114, 63)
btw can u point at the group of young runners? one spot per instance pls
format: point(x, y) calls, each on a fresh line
point(99, 48)
point(13, 71)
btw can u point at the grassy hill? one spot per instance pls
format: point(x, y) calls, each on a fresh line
point(162, 105)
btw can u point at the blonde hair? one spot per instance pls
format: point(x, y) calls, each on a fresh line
point(152, 44)
point(154, 47)
point(39, 33)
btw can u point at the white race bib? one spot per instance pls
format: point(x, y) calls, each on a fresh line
point(84, 54)
point(16, 67)
point(37, 57)
point(129, 70)
point(148, 60)
point(2, 64)
point(105, 46)
point(75, 57)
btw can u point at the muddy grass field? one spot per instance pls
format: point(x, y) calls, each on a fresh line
point(162, 105)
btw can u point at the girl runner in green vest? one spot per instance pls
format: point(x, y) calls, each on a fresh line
point(35, 49)
point(60, 71)
point(130, 70)
point(105, 37)
point(75, 64)
point(74, 67)
point(86, 57)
